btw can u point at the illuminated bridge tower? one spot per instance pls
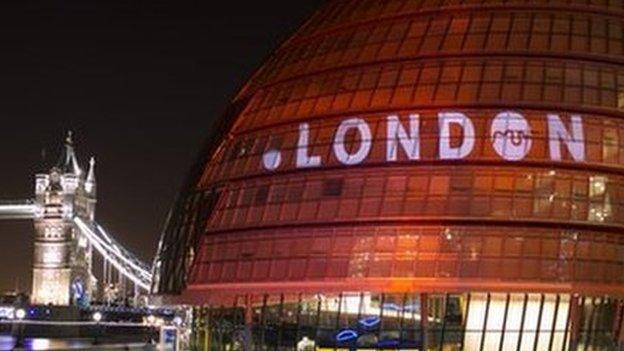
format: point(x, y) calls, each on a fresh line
point(62, 261)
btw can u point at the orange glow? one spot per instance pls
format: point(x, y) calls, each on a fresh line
point(416, 146)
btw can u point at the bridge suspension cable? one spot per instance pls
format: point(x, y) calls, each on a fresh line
point(123, 260)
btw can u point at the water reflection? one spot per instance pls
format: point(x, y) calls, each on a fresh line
point(8, 342)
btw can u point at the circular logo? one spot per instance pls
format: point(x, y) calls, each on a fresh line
point(511, 136)
point(271, 159)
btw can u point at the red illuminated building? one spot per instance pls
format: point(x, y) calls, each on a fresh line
point(415, 174)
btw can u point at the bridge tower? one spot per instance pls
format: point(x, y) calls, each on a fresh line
point(62, 264)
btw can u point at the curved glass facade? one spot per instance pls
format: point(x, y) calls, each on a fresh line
point(461, 159)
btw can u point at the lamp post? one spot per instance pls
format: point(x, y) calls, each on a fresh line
point(97, 318)
point(20, 314)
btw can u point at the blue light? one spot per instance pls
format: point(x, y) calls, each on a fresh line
point(346, 335)
point(369, 322)
point(78, 293)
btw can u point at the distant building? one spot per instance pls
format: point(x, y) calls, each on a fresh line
point(63, 255)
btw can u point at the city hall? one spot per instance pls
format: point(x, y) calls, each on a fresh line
point(414, 175)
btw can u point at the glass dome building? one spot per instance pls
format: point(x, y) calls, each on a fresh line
point(415, 174)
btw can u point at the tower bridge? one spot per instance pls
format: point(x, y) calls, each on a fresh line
point(67, 237)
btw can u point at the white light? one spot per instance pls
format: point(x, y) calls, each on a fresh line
point(40, 344)
point(20, 314)
point(52, 255)
point(97, 316)
point(7, 312)
point(151, 319)
point(518, 321)
point(82, 242)
point(177, 321)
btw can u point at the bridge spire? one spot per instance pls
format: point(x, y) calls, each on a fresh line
point(68, 163)
point(90, 180)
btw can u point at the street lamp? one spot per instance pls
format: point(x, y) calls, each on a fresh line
point(151, 320)
point(97, 317)
point(20, 314)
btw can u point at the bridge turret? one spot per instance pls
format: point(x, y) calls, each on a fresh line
point(62, 267)
point(42, 181)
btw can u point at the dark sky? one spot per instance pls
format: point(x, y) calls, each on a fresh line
point(139, 83)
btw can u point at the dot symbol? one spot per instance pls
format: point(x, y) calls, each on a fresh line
point(271, 159)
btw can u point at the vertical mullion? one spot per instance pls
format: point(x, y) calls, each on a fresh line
point(402, 320)
point(221, 346)
point(249, 326)
point(598, 325)
point(338, 318)
point(590, 324)
point(465, 33)
point(485, 320)
point(360, 305)
point(465, 321)
point(207, 326)
point(554, 323)
point(280, 319)
point(298, 320)
point(620, 337)
point(424, 320)
point(504, 326)
point(539, 322)
point(263, 321)
point(615, 327)
point(413, 322)
point(619, 328)
point(318, 317)
point(520, 332)
point(604, 329)
point(567, 326)
point(446, 33)
point(575, 321)
point(234, 317)
point(446, 306)
point(381, 323)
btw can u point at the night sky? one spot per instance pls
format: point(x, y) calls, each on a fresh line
point(139, 83)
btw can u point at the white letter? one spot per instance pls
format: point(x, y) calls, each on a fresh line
point(303, 160)
point(396, 132)
point(445, 119)
point(557, 132)
point(511, 136)
point(365, 141)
